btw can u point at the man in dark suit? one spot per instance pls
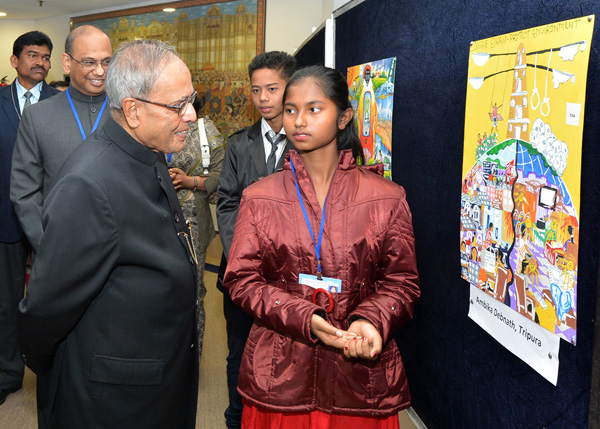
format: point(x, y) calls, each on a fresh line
point(31, 60)
point(110, 311)
point(252, 153)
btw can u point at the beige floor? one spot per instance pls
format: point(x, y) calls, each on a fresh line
point(19, 411)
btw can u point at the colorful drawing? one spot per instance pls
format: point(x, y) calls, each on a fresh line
point(522, 168)
point(371, 87)
point(217, 39)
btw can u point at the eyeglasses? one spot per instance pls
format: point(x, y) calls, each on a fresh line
point(179, 107)
point(90, 65)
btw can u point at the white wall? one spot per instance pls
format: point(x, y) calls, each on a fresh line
point(328, 7)
point(288, 24)
point(10, 30)
point(339, 3)
point(57, 29)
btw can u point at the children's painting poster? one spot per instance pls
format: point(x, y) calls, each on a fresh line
point(371, 88)
point(521, 183)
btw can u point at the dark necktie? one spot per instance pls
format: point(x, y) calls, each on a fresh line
point(27, 96)
point(273, 138)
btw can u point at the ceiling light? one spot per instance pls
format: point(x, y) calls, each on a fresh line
point(169, 9)
point(2, 13)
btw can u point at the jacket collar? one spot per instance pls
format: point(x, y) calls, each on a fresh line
point(10, 101)
point(345, 163)
point(117, 134)
point(76, 95)
point(11, 104)
point(257, 149)
point(345, 160)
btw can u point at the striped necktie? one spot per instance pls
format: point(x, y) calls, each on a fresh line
point(273, 138)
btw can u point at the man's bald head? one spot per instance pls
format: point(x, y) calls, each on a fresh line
point(81, 31)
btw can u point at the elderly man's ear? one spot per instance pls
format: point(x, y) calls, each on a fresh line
point(130, 112)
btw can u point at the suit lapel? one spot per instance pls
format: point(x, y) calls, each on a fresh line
point(256, 148)
point(46, 91)
point(9, 101)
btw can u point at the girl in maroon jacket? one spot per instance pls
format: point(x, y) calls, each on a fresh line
point(323, 259)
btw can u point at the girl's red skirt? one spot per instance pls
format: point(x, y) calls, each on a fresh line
point(258, 418)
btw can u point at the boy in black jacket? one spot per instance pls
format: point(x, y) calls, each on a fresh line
point(252, 153)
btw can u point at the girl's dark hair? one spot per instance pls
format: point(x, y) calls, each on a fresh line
point(334, 86)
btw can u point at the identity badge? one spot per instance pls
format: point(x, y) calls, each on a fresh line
point(331, 285)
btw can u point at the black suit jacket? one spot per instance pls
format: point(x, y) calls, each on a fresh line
point(244, 164)
point(10, 229)
point(110, 309)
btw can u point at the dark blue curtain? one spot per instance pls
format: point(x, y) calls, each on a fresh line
point(459, 376)
point(313, 51)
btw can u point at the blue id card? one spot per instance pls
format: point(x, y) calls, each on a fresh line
point(331, 285)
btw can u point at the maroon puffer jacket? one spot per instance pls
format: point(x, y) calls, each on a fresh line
point(368, 243)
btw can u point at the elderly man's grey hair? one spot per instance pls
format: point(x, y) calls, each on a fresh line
point(134, 68)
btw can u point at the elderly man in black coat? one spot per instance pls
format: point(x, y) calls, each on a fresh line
point(109, 315)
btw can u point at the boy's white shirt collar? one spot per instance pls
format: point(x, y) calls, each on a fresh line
point(264, 128)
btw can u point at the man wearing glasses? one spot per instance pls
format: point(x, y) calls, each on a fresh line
point(110, 312)
point(51, 130)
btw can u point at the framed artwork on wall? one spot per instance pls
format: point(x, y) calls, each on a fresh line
point(217, 39)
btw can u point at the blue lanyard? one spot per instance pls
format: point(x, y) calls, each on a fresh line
point(77, 116)
point(169, 156)
point(318, 243)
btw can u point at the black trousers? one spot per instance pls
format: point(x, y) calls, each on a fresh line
point(13, 259)
point(238, 329)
